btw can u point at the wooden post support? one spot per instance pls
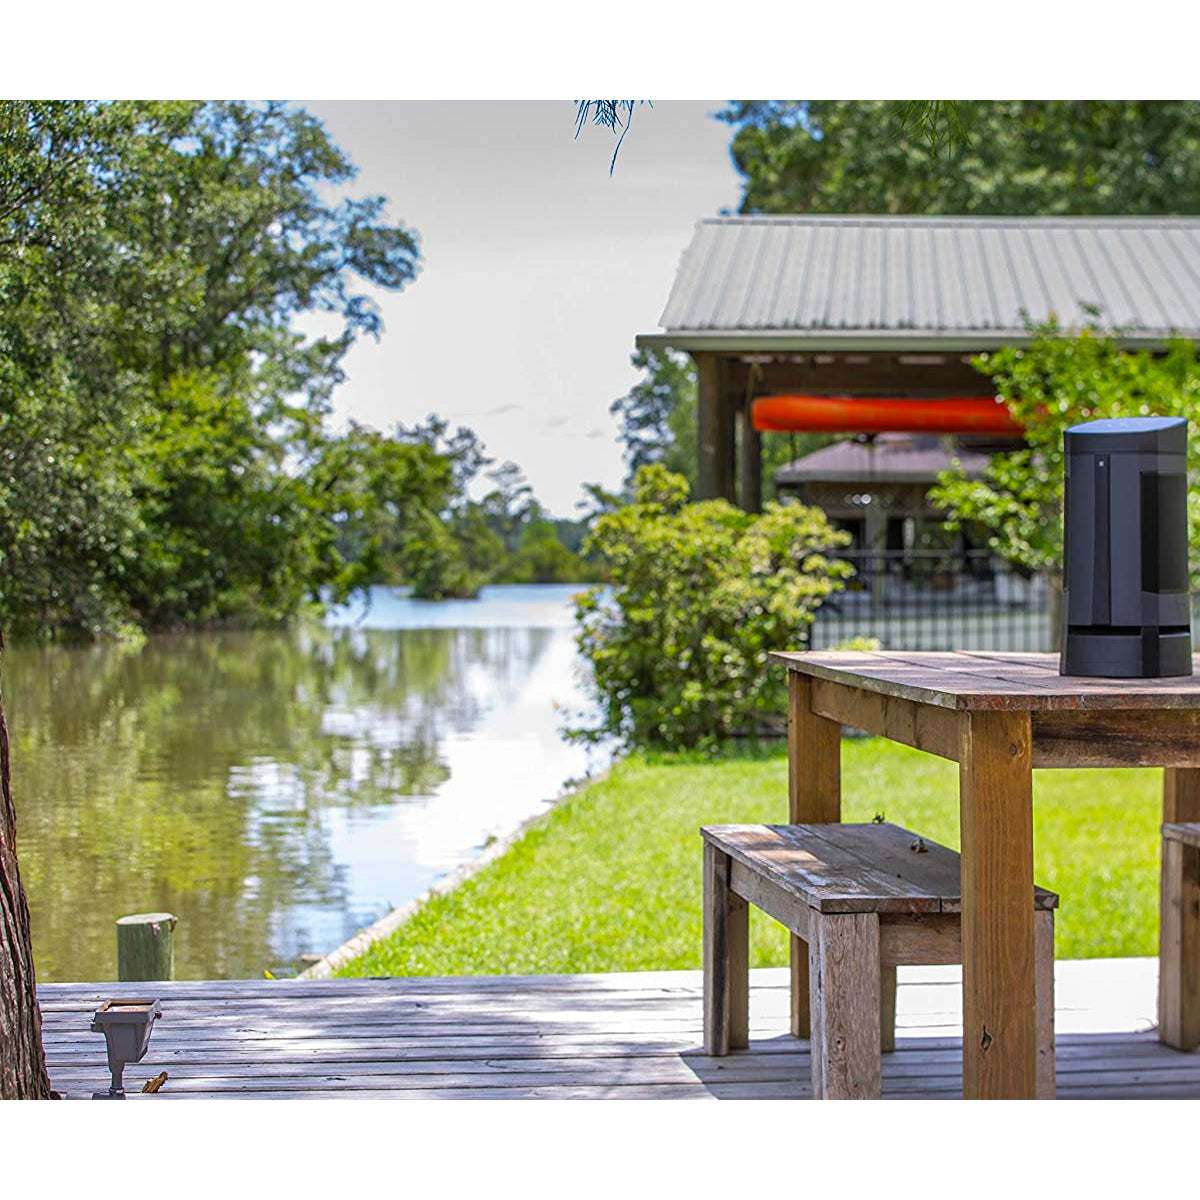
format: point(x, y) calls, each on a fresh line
point(714, 431)
point(814, 797)
point(999, 987)
point(146, 947)
point(708, 419)
point(750, 468)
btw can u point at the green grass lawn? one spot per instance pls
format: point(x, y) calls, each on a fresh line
point(610, 880)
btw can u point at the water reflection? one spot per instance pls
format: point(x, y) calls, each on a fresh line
point(277, 790)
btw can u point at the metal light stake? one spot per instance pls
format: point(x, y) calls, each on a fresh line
point(126, 1025)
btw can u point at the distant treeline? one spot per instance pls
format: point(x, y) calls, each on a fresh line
point(166, 456)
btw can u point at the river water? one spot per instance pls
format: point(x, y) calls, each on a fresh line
point(278, 790)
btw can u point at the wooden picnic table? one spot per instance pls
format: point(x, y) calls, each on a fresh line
point(998, 716)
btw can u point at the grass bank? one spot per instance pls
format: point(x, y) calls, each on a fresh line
point(610, 880)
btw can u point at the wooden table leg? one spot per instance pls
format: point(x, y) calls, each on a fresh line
point(814, 797)
point(1179, 929)
point(996, 823)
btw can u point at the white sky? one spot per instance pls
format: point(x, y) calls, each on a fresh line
point(537, 271)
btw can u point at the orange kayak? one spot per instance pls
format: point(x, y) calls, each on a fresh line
point(827, 414)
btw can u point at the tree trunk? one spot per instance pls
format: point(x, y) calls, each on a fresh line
point(22, 1059)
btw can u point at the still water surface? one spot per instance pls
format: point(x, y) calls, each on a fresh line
point(278, 790)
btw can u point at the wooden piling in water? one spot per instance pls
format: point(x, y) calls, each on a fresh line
point(146, 947)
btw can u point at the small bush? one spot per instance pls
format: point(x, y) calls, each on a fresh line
point(700, 593)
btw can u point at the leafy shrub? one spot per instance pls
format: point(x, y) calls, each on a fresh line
point(699, 594)
point(860, 643)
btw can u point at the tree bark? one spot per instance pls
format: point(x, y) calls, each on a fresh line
point(22, 1060)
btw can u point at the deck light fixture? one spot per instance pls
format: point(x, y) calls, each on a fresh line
point(126, 1025)
point(1126, 603)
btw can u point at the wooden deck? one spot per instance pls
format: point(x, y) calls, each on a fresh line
point(630, 1036)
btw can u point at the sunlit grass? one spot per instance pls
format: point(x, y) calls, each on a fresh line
point(610, 881)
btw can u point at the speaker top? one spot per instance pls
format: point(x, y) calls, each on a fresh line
point(1130, 435)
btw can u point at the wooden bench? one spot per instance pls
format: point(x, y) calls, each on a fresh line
point(1179, 938)
point(864, 898)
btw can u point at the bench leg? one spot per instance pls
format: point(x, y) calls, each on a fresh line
point(1179, 947)
point(844, 979)
point(887, 1009)
point(737, 941)
point(1043, 955)
point(726, 959)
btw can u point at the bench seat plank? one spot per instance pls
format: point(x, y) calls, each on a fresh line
point(847, 868)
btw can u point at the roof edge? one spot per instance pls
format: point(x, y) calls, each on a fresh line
point(1116, 221)
point(750, 341)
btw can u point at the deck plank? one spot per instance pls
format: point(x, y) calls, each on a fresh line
point(631, 1036)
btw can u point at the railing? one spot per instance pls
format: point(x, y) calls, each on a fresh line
point(933, 600)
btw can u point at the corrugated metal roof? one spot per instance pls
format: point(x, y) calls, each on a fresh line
point(892, 458)
point(963, 280)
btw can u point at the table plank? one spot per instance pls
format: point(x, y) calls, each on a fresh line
point(976, 682)
point(1117, 738)
point(922, 726)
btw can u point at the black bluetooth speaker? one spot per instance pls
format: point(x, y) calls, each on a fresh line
point(1126, 602)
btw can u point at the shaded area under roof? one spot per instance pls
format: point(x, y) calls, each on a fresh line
point(889, 458)
point(863, 282)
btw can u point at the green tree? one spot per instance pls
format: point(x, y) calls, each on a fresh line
point(67, 517)
point(532, 543)
point(219, 230)
point(509, 505)
point(434, 563)
point(465, 453)
point(224, 534)
point(657, 415)
point(541, 557)
point(388, 499)
point(699, 594)
point(1009, 157)
point(504, 537)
